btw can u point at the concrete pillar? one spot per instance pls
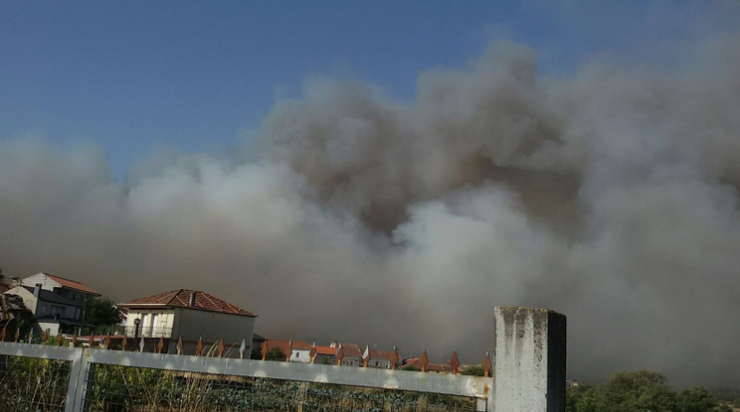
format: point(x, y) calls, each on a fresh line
point(528, 361)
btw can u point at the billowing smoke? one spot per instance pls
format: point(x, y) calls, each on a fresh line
point(611, 196)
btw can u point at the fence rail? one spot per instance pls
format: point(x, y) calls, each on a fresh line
point(287, 385)
point(528, 376)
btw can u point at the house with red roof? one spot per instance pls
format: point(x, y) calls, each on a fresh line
point(191, 315)
point(292, 350)
point(58, 304)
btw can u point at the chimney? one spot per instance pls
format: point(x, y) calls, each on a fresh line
point(191, 301)
point(37, 290)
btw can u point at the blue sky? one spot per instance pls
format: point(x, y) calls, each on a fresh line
point(133, 75)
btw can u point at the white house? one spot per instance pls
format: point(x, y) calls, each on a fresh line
point(58, 304)
point(192, 315)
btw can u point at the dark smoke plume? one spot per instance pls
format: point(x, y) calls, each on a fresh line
point(611, 196)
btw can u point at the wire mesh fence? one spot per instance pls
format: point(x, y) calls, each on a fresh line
point(33, 384)
point(117, 388)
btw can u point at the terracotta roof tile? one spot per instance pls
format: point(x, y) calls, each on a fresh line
point(181, 298)
point(351, 350)
point(381, 354)
point(73, 284)
point(326, 350)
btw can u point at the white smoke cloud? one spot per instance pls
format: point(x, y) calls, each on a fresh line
point(611, 196)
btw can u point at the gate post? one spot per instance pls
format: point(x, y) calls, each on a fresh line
point(528, 361)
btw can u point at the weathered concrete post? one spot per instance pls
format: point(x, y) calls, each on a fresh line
point(528, 361)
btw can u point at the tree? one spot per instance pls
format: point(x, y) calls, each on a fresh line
point(641, 391)
point(102, 312)
point(275, 354)
point(696, 399)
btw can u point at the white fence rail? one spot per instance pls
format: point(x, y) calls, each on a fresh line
point(528, 376)
point(84, 360)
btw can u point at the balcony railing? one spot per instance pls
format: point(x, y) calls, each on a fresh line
point(147, 332)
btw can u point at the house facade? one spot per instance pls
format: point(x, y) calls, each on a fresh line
point(192, 315)
point(57, 304)
point(293, 350)
point(378, 358)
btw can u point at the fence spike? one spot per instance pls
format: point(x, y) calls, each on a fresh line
point(243, 349)
point(486, 365)
point(394, 358)
point(454, 362)
point(74, 338)
point(91, 341)
point(366, 356)
point(423, 361)
point(59, 338)
point(106, 343)
point(340, 354)
point(45, 337)
point(179, 346)
point(160, 345)
point(124, 343)
point(17, 335)
point(142, 344)
point(3, 332)
point(199, 348)
point(221, 348)
point(312, 353)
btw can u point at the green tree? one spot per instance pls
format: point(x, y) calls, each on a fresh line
point(641, 391)
point(102, 312)
point(275, 354)
point(696, 399)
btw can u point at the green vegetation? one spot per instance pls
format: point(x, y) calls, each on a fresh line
point(641, 391)
point(32, 384)
point(473, 370)
point(275, 354)
point(102, 312)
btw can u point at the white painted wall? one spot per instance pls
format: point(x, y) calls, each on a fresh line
point(53, 328)
point(46, 282)
point(28, 298)
point(164, 321)
point(301, 356)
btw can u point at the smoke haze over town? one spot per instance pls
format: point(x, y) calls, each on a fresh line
point(610, 195)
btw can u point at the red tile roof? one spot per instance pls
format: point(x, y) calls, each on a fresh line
point(181, 298)
point(381, 354)
point(73, 284)
point(351, 350)
point(431, 367)
point(326, 350)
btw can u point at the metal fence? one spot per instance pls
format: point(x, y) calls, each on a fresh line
point(48, 378)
